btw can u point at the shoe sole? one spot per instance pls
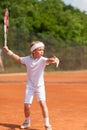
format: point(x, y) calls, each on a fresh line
point(48, 128)
point(24, 127)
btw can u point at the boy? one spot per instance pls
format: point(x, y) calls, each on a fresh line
point(35, 65)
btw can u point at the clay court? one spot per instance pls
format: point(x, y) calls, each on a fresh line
point(66, 98)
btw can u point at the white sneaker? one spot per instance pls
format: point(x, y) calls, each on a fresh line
point(25, 125)
point(48, 127)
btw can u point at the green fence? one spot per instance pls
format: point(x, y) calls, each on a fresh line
point(72, 56)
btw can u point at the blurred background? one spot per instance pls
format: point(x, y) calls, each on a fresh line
point(62, 27)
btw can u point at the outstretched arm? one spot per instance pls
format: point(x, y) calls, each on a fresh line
point(11, 54)
point(53, 60)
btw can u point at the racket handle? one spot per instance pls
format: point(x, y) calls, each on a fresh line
point(5, 42)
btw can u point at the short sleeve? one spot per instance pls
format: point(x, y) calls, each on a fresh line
point(23, 60)
point(45, 60)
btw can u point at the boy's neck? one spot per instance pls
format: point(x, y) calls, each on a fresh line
point(35, 57)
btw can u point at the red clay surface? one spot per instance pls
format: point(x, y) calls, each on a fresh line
point(66, 99)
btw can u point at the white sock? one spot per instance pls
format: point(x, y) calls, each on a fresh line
point(46, 121)
point(28, 119)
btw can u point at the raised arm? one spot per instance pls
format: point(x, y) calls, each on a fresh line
point(11, 54)
point(53, 60)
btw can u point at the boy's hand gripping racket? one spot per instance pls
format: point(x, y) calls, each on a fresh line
point(6, 22)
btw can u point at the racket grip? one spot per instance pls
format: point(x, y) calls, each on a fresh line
point(5, 42)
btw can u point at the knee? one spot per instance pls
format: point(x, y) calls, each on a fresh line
point(43, 105)
point(26, 106)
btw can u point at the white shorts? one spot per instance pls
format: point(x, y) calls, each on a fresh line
point(31, 90)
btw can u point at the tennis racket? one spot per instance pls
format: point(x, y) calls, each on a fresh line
point(6, 22)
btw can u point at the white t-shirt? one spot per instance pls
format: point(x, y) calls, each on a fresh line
point(35, 69)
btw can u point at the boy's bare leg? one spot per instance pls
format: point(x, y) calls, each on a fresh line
point(44, 109)
point(27, 110)
point(27, 116)
point(45, 115)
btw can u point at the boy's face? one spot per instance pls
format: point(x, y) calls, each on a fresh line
point(37, 53)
